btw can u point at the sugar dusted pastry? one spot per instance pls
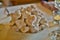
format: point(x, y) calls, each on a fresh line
point(33, 30)
point(34, 13)
point(15, 15)
point(43, 21)
point(36, 21)
point(11, 23)
point(57, 17)
point(14, 28)
point(40, 28)
point(22, 9)
point(29, 9)
point(24, 29)
point(18, 13)
point(27, 12)
point(20, 23)
point(25, 15)
point(29, 20)
point(32, 6)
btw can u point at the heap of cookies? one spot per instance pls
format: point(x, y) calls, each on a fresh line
point(27, 20)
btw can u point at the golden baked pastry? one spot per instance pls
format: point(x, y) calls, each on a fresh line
point(20, 23)
point(29, 20)
point(57, 17)
point(43, 21)
point(24, 29)
point(15, 15)
point(34, 13)
point(29, 9)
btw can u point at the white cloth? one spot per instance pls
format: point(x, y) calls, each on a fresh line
point(53, 37)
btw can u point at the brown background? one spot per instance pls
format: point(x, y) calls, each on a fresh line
point(24, 1)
